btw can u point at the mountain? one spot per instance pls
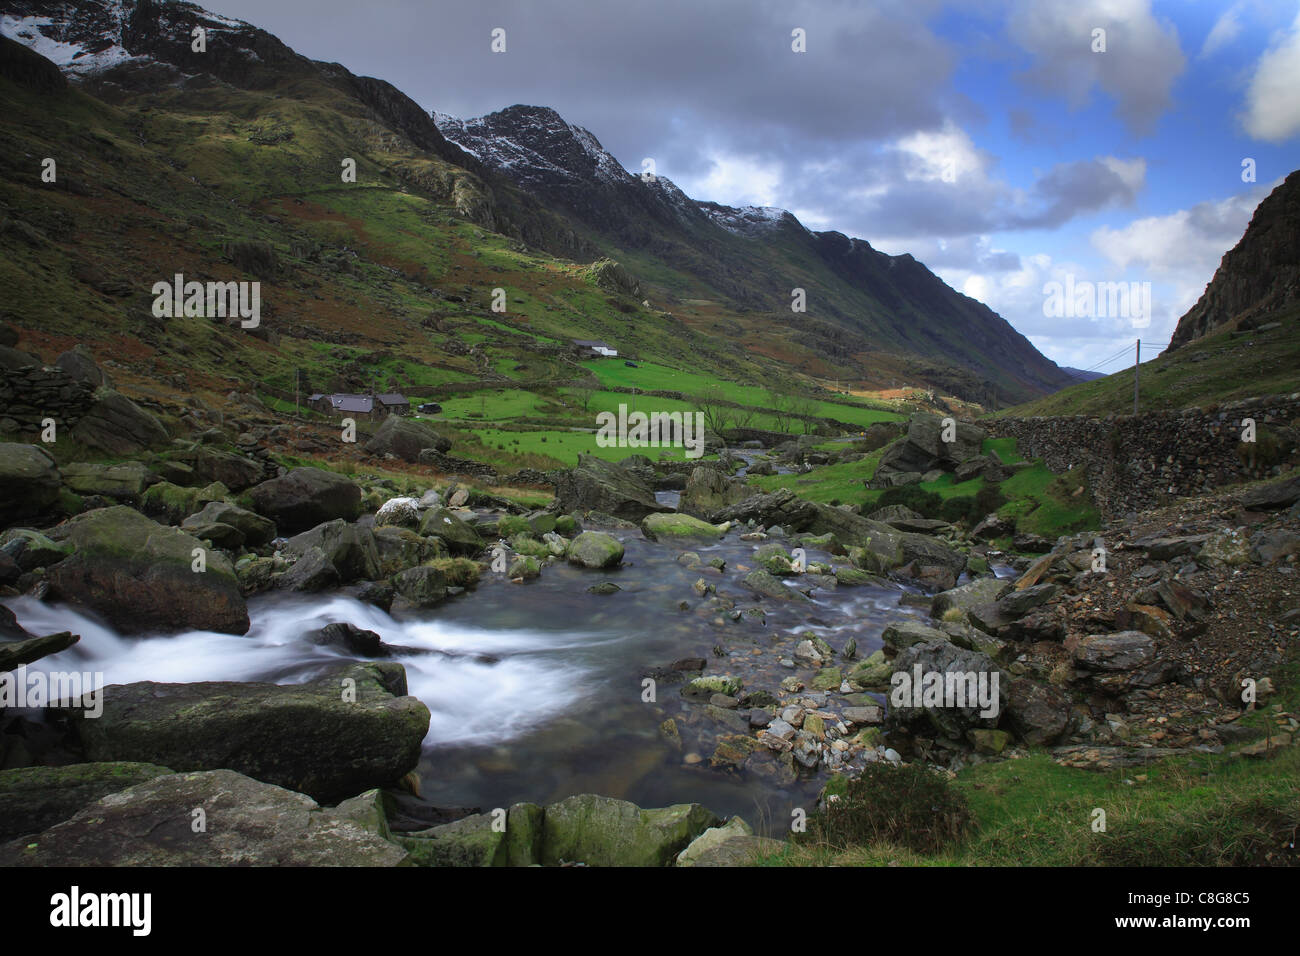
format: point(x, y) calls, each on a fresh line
point(1260, 275)
point(752, 257)
point(1079, 375)
point(232, 153)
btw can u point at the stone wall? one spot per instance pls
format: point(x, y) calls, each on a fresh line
point(1140, 461)
point(32, 393)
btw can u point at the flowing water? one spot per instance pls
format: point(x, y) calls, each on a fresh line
point(535, 689)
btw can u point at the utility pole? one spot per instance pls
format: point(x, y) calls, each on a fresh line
point(1137, 364)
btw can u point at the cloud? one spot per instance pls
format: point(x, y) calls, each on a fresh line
point(1224, 31)
point(1184, 247)
point(1272, 103)
point(1142, 58)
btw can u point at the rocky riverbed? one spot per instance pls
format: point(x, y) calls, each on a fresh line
point(419, 663)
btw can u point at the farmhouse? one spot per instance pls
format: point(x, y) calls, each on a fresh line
point(597, 346)
point(360, 406)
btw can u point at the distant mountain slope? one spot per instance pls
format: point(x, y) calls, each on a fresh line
point(1259, 275)
point(753, 256)
point(248, 122)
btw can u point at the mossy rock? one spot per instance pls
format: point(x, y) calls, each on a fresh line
point(669, 526)
point(595, 549)
point(602, 831)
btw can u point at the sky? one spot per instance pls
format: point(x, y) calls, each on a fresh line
point(1010, 145)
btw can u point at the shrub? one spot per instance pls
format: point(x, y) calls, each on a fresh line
point(911, 806)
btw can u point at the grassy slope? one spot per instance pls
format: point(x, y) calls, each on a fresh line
point(1220, 367)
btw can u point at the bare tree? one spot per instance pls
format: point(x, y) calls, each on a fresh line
point(719, 413)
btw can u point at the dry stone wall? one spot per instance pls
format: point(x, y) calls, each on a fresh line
point(1141, 461)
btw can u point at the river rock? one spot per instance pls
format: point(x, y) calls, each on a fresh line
point(248, 823)
point(305, 498)
point(31, 549)
point(598, 485)
point(255, 529)
point(679, 527)
point(766, 585)
point(139, 574)
point(350, 548)
point(29, 481)
point(708, 491)
point(595, 549)
point(476, 840)
point(601, 831)
point(398, 512)
point(780, 508)
point(459, 537)
point(422, 586)
point(33, 799)
point(14, 654)
point(971, 594)
point(348, 730)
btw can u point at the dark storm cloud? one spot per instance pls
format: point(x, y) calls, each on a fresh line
point(642, 76)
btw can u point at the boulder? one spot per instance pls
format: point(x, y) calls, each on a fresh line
point(33, 799)
point(117, 425)
point(1039, 713)
point(475, 840)
point(782, 507)
point(254, 528)
point(31, 549)
point(598, 485)
point(679, 527)
point(351, 549)
point(306, 497)
point(969, 595)
point(962, 668)
point(248, 823)
point(595, 549)
point(80, 365)
point(29, 482)
point(350, 729)
point(602, 831)
point(405, 438)
point(140, 575)
point(125, 482)
point(732, 844)
point(209, 464)
point(1122, 651)
point(924, 448)
point(1273, 496)
point(459, 537)
point(903, 634)
point(708, 491)
point(312, 572)
point(399, 513)
point(422, 586)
